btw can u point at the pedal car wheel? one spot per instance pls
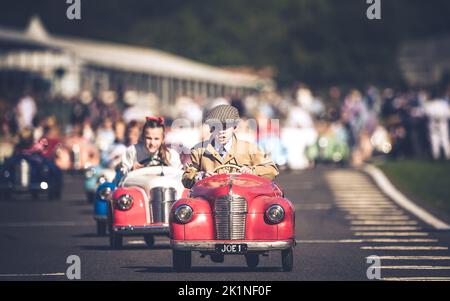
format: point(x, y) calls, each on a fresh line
point(182, 260)
point(287, 260)
point(252, 260)
point(101, 228)
point(35, 195)
point(149, 240)
point(53, 194)
point(90, 196)
point(115, 240)
point(6, 194)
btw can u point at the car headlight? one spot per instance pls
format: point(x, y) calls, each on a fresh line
point(275, 214)
point(124, 202)
point(323, 142)
point(105, 193)
point(183, 214)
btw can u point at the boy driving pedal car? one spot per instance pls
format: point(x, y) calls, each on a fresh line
point(223, 148)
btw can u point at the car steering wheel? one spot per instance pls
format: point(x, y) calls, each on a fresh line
point(147, 161)
point(228, 166)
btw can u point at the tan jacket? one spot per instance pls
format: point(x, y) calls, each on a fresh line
point(205, 158)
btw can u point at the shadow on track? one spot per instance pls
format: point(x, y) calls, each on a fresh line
point(88, 235)
point(205, 269)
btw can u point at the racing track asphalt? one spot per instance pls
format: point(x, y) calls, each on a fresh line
point(341, 218)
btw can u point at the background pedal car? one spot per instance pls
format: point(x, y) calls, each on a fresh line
point(141, 203)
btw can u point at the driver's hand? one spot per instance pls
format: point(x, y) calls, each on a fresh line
point(137, 166)
point(246, 169)
point(209, 174)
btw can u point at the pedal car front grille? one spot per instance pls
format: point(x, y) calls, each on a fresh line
point(230, 214)
point(161, 200)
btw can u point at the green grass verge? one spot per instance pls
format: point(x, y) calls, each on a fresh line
point(426, 180)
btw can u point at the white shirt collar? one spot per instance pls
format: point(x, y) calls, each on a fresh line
point(227, 146)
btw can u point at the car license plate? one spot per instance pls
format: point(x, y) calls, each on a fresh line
point(231, 248)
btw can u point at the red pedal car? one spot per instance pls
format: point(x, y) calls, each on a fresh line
point(140, 206)
point(232, 214)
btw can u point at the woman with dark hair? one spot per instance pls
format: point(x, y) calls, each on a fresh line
point(151, 150)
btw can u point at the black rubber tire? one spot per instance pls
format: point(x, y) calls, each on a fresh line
point(101, 228)
point(181, 260)
point(287, 260)
point(35, 195)
point(149, 241)
point(115, 241)
point(252, 260)
point(90, 197)
point(54, 194)
point(6, 195)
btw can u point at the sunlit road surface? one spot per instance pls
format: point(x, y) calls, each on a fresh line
point(341, 219)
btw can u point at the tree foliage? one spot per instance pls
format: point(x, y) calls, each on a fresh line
point(320, 42)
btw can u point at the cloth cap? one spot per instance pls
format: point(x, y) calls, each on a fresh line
point(223, 114)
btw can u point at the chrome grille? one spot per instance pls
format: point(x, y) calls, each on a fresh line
point(161, 200)
point(230, 214)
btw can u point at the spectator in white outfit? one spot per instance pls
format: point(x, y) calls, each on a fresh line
point(438, 112)
point(26, 110)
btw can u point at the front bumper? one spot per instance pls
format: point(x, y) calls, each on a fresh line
point(252, 246)
point(141, 230)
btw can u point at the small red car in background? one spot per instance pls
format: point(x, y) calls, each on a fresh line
point(140, 206)
point(232, 214)
point(76, 154)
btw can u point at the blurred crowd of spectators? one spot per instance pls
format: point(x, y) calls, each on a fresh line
point(411, 123)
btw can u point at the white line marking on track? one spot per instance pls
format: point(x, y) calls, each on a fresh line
point(414, 257)
point(416, 279)
point(363, 206)
point(403, 201)
point(394, 240)
point(379, 217)
point(404, 248)
point(360, 200)
point(33, 275)
point(374, 213)
point(391, 234)
point(382, 223)
point(366, 240)
point(368, 205)
point(412, 267)
point(384, 228)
